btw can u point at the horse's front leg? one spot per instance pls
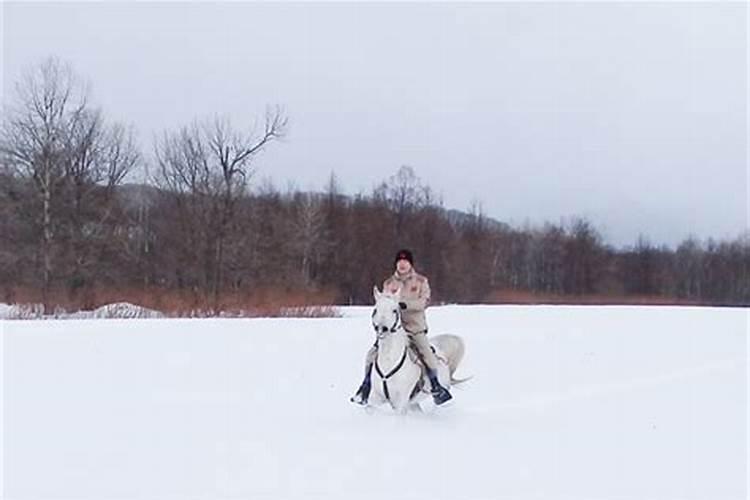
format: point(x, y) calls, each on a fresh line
point(414, 406)
point(401, 409)
point(399, 403)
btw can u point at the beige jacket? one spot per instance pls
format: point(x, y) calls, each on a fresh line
point(415, 293)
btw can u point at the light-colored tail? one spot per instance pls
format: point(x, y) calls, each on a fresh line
point(457, 381)
point(452, 347)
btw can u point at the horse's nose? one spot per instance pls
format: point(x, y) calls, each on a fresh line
point(383, 329)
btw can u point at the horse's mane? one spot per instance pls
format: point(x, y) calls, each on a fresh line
point(389, 295)
point(386, 295)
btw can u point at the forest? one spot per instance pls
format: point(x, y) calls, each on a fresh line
point(199, 231)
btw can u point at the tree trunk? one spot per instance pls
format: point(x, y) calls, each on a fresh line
point(46, 238)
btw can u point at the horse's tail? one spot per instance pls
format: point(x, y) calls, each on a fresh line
point(452, 346)
point(457, 381)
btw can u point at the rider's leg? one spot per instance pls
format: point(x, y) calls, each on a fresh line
point(363, 393)
point(439, 393)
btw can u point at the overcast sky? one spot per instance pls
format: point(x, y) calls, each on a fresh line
point(631, 114)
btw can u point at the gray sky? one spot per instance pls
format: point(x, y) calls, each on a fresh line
point(632, 114)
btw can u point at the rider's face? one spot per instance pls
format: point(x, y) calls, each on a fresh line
point(403, 266)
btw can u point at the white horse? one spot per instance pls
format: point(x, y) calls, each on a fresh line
point(397, 376)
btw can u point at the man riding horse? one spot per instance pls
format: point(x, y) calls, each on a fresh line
point(414, 296)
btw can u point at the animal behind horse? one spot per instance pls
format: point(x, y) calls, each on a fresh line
point(398, 376)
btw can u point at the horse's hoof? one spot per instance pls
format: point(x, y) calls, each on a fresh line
point(358, 400)
point(415, 407)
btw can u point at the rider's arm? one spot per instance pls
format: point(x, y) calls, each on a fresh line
point(422, 300)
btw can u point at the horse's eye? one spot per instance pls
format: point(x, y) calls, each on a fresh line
point(395, 311)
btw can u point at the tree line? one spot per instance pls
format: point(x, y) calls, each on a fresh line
point(198, 226)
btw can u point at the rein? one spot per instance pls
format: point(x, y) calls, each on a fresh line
point(390, 373)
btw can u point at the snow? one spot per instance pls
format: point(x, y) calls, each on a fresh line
point(116, 310)
point(566, 403)
point(121, 310)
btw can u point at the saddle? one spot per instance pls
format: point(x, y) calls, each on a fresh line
point(416, 358)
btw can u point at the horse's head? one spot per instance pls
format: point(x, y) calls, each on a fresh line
point(386, 317)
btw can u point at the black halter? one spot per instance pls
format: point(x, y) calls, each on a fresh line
point(396, 323)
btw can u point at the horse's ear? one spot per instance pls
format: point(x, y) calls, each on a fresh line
point(376, 293)
point(398, 292)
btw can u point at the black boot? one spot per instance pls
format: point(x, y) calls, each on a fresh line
point(439, 393)
point(363, 393)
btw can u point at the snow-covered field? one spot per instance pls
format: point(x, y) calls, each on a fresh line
point(566, 403)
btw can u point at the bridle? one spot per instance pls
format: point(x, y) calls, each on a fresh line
point(381, 332)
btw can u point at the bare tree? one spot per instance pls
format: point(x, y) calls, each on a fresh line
point(583, 257)
point(403, 193)
point(99, 157)
point(690, 268)
point(207, 166)
point(50, 100)
point(309, 232)
point(234, 153)
point(53, 138)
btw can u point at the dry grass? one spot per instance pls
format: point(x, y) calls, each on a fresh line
point(529, 298)
point(267, 302)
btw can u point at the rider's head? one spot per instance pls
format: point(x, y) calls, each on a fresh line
point(404, 261)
